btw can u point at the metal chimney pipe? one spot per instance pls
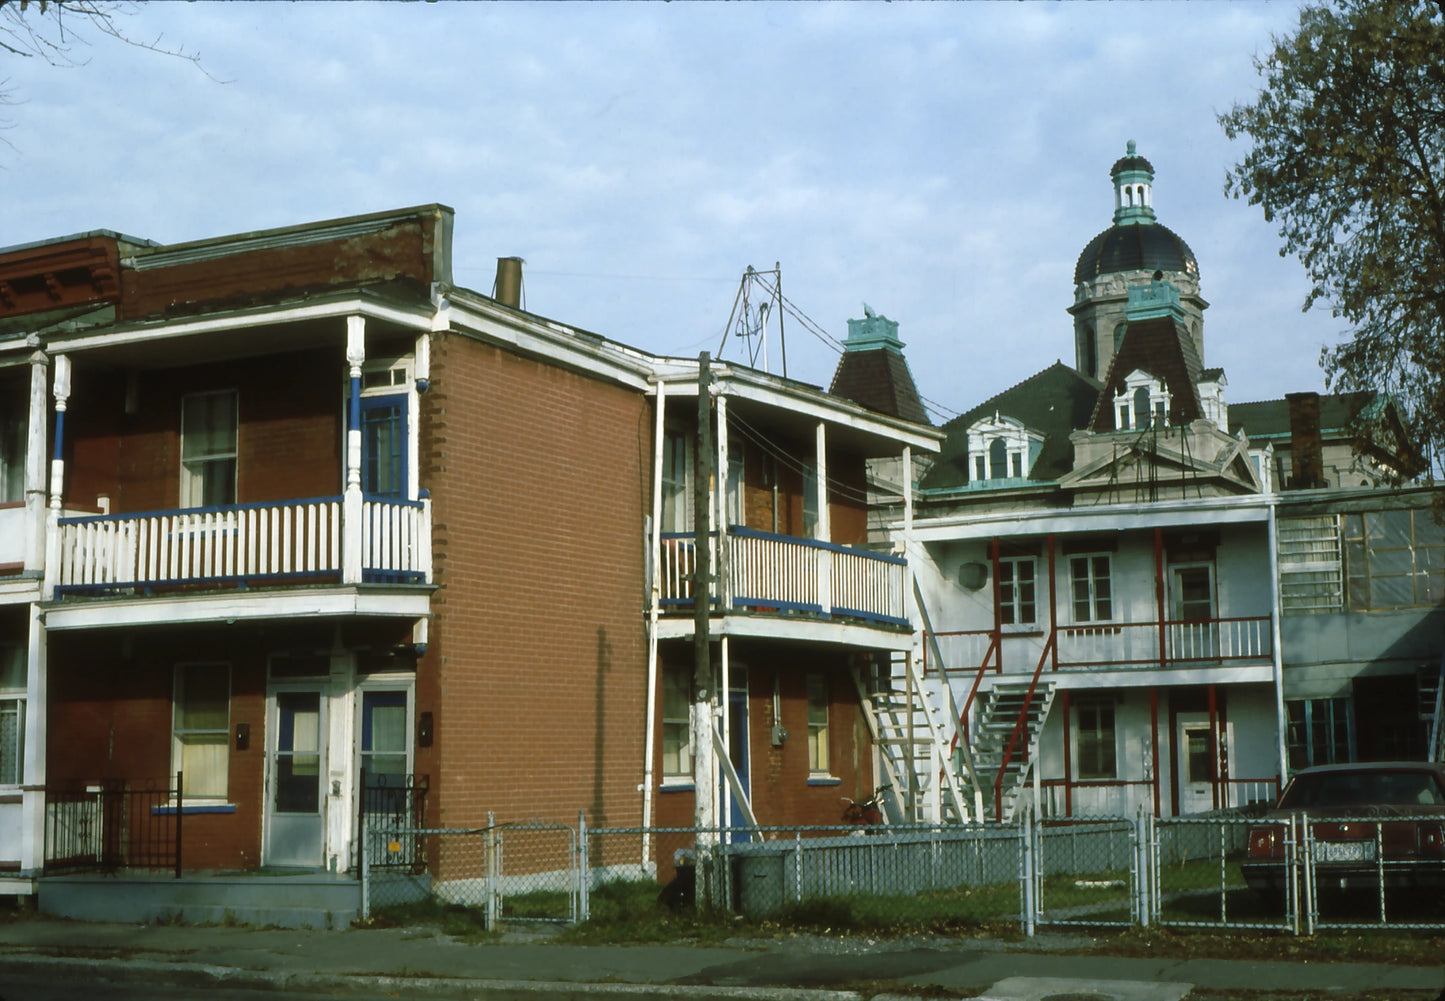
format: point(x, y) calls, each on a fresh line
point(508, 288)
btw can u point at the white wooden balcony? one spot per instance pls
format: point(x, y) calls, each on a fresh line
point(1137, 644)
point(297, 541)
point(782, 574)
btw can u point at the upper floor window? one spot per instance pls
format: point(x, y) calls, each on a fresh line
point(1016, 589)
point(1310, 578)
point(1395, 559)
point(12, 714)
point(676, 481)
point(14, 421)
point(1001, 448)
point(1091, 588)
point(208, 448)
point(1141, 402)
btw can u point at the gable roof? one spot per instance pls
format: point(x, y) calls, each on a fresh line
point(879, 380)
point(1054, 402)
point(1161, 346)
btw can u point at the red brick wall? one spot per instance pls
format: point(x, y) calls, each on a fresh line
point(289, 443)
point(535, 668)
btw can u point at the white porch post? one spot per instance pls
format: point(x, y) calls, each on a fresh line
point(659, 431)
point(824, 527)
point(32, 809)
point(61, 390)
point(722, 566)
point(35, 467)
point(1277, 655)
point(351, 527)
point(907, 595)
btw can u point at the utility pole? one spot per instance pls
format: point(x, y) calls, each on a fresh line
point(702, 674)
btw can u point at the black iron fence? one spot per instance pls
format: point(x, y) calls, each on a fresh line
point(392, 803)
point(115, 824)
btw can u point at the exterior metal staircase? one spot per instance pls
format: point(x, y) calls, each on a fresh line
point(1005, 739)
point(910, 725)
point(1432, 709)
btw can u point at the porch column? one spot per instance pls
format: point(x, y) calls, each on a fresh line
point(1067, 707)
point(721, 568)
point(35, 467)
point(1154, 738)
point(32, 808)
point(1053, 611)
point(907, 594)
point(1159, 595)
point(1214, 747)
point(1276, 654)
point(824, 527)
point(61, 390)
point(659, 443)
point(351, 514)
point(993, 550)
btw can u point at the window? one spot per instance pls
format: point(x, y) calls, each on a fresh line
point(1016, 589)
point(383, 739)
point(810, 501)
point(1090, 587)
point(14, 421)
point(818, 759)
point(1141, 402)
point(1319, 731)
point(1395, 559)
point(1001, 448)
point(1309, 565)
point(997, 459)
point(12, 714)
point(676, 726)
point(200, 728)
point(1097, 759)
point(208, 449)
point(676, 481)
point(383, 446)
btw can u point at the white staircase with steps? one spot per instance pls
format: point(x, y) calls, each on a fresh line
point(1432, 710)
point(993, 727)
point(911, 726)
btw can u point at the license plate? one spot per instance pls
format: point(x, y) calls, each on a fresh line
point(1344, 851)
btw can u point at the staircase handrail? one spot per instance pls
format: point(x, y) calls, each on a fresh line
point(947, 687)
point(1018, 727)
point(995, 651)
point(1437, 737)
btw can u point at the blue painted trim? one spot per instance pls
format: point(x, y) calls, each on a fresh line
point(667, 786)
point(857, 613)
point(824, 781)
point(354, 411)
point(170, 811)
point(59, 435)
point(752, 533)
point(789, 606)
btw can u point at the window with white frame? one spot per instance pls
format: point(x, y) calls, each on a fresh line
point(676, 481)
point(1141, 402)
point(819, 761)
point(200, 728)
point(1097, 755)
point(208, 449)
point(1394, 559)
point(14, 423)
point(1001, 448)
point(1310, 568)
point(1091, 587)
point(676, 726)
point(1016, 589)
point(12, 714)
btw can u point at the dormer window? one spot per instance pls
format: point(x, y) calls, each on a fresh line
point(1143, 402)
point(1001, 448)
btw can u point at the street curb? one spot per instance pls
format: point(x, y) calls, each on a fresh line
point(202, 975)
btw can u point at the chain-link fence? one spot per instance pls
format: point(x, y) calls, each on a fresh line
point(1226, 870)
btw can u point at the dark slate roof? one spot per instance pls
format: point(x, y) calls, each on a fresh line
point(1135, 247)
point(879, 380)
point(1132, 162)
point(1211, 375)
point(1164, 349)
point(1054, 402)
point(1270, 418)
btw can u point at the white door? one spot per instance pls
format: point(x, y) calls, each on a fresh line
point(1195, 765)
point(296, 773)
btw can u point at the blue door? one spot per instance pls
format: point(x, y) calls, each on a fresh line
point(738, 753)
point(384, 446)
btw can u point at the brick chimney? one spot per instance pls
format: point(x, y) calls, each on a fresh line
point(1306, 454)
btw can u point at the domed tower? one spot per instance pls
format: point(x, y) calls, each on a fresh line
point(1133, 251)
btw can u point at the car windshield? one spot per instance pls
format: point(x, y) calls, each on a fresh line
point(1363, 789)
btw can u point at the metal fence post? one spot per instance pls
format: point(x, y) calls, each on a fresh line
point(1026, 871)
point(584, 870)
point(180, 817)
point(365, 869)
point(1143, 898)
point(489, 852)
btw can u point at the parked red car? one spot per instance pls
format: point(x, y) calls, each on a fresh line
point(1377, 820)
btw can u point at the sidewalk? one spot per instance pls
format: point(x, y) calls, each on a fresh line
point(423, 962)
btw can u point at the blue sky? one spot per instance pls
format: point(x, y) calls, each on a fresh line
point(943, 162)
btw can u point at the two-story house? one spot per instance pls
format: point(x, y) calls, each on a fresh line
point(304, 533)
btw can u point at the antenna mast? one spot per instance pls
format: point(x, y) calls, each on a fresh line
point(758, 304)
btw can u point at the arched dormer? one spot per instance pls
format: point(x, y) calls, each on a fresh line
point(1001, 448)
point(1143, 401)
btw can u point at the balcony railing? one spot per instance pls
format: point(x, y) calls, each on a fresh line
point(1136, 644)
point(781, 573)
point(250, 543)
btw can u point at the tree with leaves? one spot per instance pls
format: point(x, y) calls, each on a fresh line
point(1348, 158)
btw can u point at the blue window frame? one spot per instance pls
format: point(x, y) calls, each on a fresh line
point(384, 446)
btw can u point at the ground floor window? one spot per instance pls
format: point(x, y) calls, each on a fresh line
point(200, 728)
point(1096, 741)
point(1320, 731)
point(12, 714)
point(818, 752)
point(676, 729)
